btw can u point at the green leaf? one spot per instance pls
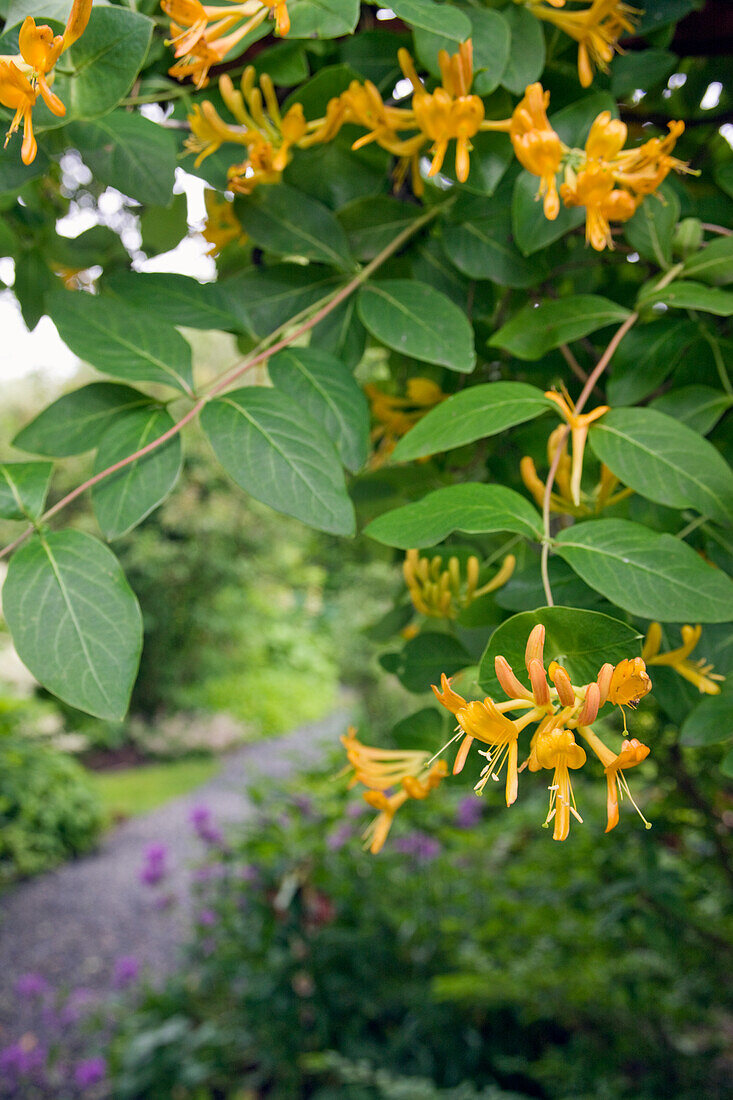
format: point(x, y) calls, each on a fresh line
point(711, 722)
point(129, 152)
point(281, 219)
point(659, 346)
point(665, 461)
point(14, 174)
point(684, 295)
point(643, 69)
point(371, 224)
point(482, 248)
point(699, 407)
point(335, 175)
point(125, 498)
point(268, 297)
point(77, 421)
point(712, 264)
point(532, 230)
point(418, 321)
point(162, 229)
point(328, 394)
point(426, 728)
point(581, 641)
point(180, 300)
point(471, 507)
point(471, 414)
point(100, 68)
point(442, 19)
point(491, 42)
point(535, 330)
point(121, 341)
point(651, 229)
point(651, 575)
point(527, 54)
point(74, 620)
point(422, 660)
point(322, 18)
point(267, 445)
point(342, 333)
point(23, 489)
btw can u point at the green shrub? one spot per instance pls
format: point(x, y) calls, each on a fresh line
point(479, 957)
point(48, 810)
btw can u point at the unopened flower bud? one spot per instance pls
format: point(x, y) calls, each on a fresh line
point(540, 690)
point(604, 681)
point(589, 710)
point(509, 682)
point(535, 645)
point(562, 683)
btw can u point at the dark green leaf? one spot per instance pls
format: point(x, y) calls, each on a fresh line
point(473, 508)
point(482, 248)
point(642, 69)
point(532, 230)
point(651, 229)
point(425, 657)
point(472, 414)
point(120, 340)
point(125, 498)
point(665, 461)
point(527, 52)
point(180, 300)
point(684, 295)
point(418, 321)
point(534, 330)
point(281, 219)
point(441, 19)
point(423, 729)
point(646, 356)
point(491, 40)
point(328, 394)
point(129, 152)
point(711, 722)
point(77, 421)
point(75, 621)
point(23, 489)
point(699, 407)
point(713, 264)
point(581, 641)
point(372, 224)
point(322, 18)
point(269, 447)
point(652, 575)
point(268, 297)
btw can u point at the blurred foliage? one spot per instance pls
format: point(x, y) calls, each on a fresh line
point(464, 955)
point(48, 809)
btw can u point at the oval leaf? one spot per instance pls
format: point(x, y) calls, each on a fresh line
point(264, 441)
point(418, 321)
point(120, 340)
point(75, 621)
point(535, 330)
point(651, 575)
point(711, 722)
point(284, 220)
point(713, 264)
point(328, 394)
point(125, 498)
point(422, 660)
point(472, 414)
point(473, 508)
point(665, 461)
point(581, 641)
point(23, 489)
point(77, 421)
point(689, 295)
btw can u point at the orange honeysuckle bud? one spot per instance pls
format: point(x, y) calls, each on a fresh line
point(604, 681)
point(540, 690)
point(563, 685)
point(76, 24)
point(535, 645)
point(509, 682)
point(591, 705)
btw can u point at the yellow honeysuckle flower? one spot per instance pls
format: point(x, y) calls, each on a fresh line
point(222, 225)
point(441, 592)
point(645, 168)
point(596, 29)
point(593, 187)
point(395, 416)
point(29, 73)
point(632, 752)
point(700, 673)
point(560, 709)
point(536, 145)
point(203, 34)
point(558, 749)
point(579, 424)
point(209, 132)
point(377, 831)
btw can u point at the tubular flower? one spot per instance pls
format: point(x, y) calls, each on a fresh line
point(593, 187)
point(700, 673)
point(222, 225)
point(209, 132)
point(536, 145)
point(561, 709)
point(203, 34)
point(380, 770)
point(602, 496)
point(441, 592)
point(579, 424)
point(645, 168)
point(395, 416)
point(29, 73)
point(596, 29)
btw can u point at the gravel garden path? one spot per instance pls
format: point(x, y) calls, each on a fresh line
point(72, 925)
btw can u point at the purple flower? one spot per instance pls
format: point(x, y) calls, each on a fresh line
point(126, 971)
point(151, 875)
point(164, 901)
point(203, 825)
point(419, 845)
point(90, 1072)
point(199, 816)
point(207, 917)
point(156, 853)
point(356, 809)
point(339, 837)
point(31, 985)
point(248, 873)
point(154, 868)
point(468, 812)
point(22, 1058)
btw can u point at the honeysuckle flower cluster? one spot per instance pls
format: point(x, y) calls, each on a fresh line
point(443, 591)
point(203, 34)
point(30, 73)
point(596, 29)
point(394, 416)
point(568, 500)
point(606, 179)
point(563, 714)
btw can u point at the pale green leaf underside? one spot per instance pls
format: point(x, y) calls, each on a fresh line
point(78, 420)
point(418, 321)
point(23, 489)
